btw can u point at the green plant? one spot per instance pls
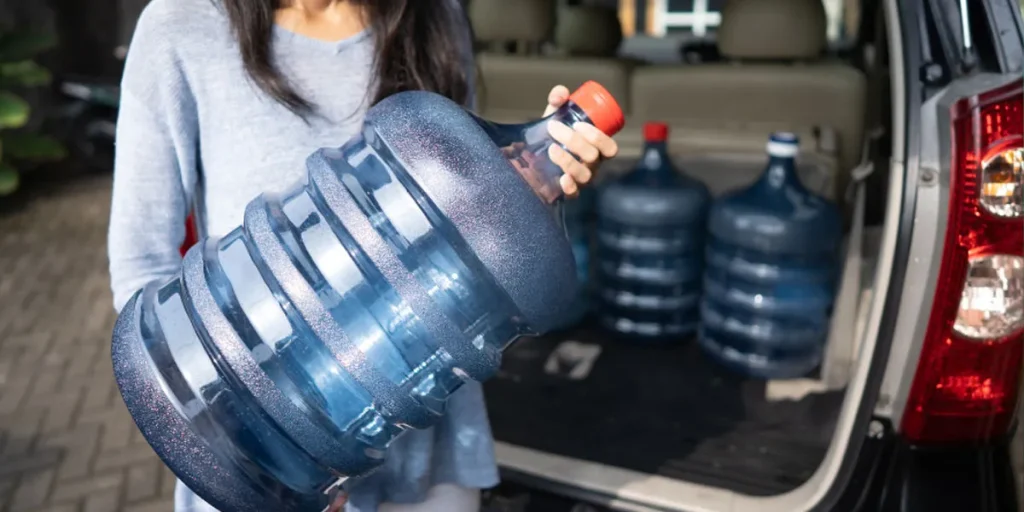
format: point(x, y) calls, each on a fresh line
point(18, 71)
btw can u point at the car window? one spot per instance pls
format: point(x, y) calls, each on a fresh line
point(696, 21)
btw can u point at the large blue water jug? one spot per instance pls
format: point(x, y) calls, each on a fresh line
point(579, 220)
point(650, 239)
point(772, 264)
point(288, 354)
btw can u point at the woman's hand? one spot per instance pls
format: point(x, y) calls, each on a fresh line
point(587, 143)
point(339, 503)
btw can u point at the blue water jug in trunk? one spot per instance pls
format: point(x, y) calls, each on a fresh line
point(771, 269)
point(650, 239)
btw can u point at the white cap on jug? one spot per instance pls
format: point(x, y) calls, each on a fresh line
point(783, 144)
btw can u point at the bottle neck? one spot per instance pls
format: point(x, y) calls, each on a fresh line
point(655, 159)
point(781, 172)
point(526, 148)
point(660, 146)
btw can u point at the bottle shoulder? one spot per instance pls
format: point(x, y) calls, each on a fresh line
point(777, 220)
point(648, 203)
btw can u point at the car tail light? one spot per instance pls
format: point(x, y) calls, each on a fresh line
point(969, 373)
point(191, 235)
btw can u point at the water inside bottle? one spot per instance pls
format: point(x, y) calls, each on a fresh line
point(772, 264)
point(650, 236)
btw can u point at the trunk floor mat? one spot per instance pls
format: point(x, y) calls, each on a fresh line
point(665, 410)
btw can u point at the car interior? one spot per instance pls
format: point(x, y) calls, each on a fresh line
point(666, 415)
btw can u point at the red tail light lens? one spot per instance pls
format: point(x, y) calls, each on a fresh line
point(969, 373)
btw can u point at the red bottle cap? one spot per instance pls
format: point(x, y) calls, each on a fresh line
point(599, 105)
point(655, 131)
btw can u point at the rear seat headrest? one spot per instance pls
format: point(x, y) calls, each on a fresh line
point(772, 29)
point(528, 21)
point(587, 30)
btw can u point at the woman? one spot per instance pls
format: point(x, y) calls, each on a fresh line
point(234, 95)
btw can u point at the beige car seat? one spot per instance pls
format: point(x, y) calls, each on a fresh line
point(774, 78)
point(513, 87)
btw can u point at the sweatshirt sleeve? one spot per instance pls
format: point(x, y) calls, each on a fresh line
point(155, 161)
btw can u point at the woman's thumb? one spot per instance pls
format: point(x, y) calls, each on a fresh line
point(556, 98)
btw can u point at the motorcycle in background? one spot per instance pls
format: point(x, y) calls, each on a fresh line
point(87, 121)
point(88, 126)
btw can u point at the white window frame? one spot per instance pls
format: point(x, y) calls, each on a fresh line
point(700, 19)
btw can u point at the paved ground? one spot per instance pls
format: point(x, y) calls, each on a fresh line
point(66, 440)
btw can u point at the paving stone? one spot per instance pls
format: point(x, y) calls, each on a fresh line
point(64, 507)
point(32, 491)
point(12, 395)
point(80, 489)
point(167, 481)
point(21, 432)
point(143, 482)
point(103, 501)
point(81, 446)
point(67, 443)
point(61, 412)
point(13, 466)
point(157, 505)
point(123, 457)
point(117, 430)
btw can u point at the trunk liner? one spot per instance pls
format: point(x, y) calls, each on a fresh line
point(664, 410)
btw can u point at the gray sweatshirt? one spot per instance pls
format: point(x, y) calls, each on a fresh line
point(189, 114)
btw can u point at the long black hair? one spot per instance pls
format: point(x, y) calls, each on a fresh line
point(420, 45)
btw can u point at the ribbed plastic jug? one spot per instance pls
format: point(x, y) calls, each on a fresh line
point(650, 239)
point(579, 223)
point(288, 354)
point(772, 263)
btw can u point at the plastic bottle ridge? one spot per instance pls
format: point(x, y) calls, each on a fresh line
point(289, 353)
point(772, 262)
point(650, 240)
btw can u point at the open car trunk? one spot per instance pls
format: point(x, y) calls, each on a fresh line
point(569, 400)
point(664, 411)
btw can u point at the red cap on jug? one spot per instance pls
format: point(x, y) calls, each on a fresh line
point(602, 109)
point(655, 131)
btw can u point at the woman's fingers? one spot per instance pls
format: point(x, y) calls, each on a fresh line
point(580, 148)
point(569, 186)
point(339, 503)
point(575, 142)
point(556, 98)
point(605, 145)
point(575, 172)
